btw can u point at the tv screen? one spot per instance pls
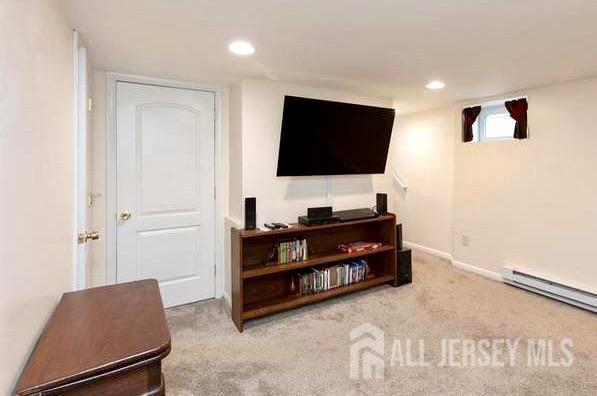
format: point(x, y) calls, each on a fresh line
point(320, 137)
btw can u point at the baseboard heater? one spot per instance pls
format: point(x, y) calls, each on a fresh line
point(568, 294)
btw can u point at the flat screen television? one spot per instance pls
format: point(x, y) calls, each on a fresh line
point(321, 137)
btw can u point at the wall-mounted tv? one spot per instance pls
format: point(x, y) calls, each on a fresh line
point(321, 137)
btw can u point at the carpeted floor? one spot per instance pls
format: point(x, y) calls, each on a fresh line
point(306, 351)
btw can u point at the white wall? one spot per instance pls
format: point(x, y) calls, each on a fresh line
point(531, 203)
point(36, 174)
point(527, 203)
point(233, 219)
point(235, 159)
point(285, 198)
point(423, 153)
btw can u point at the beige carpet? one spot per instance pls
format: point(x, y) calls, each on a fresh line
point(306, 351)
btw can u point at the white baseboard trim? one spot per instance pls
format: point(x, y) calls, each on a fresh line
point(479, 271)
point(458, 264)
point(227, 299)
point(428, 250)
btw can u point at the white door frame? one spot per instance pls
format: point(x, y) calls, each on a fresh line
point(111, 172)
point(76, 274)
point(80, 121)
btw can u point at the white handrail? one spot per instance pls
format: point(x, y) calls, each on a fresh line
point(399, 180)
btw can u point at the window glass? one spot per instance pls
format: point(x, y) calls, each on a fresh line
point(499, 126)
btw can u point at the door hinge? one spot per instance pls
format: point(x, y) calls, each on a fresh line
point(215, 193)
point(88, 236)
point(90, 105)
point(91, 199)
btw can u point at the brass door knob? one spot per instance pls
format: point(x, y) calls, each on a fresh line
point(125, 215)
point(88, 236)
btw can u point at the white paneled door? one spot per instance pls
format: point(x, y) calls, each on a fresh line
point(166, 206)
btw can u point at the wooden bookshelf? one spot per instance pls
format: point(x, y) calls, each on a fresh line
point(260, 288)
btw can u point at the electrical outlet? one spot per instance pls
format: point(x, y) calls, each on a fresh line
point(466, 240)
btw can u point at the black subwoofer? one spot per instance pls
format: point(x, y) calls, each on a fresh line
point(404, 270)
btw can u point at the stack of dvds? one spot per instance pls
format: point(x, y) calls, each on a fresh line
point(318, 280)
point(292, 250)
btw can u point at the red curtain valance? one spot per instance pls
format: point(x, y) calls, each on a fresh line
point(469, 115)
point(518, 111)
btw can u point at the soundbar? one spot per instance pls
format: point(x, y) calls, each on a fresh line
point(325, 215)
point(355, 214)
point(309, 221)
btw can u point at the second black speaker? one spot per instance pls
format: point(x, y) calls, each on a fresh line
point(381, 203)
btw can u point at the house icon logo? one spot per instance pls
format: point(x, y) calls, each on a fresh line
point(366, 352)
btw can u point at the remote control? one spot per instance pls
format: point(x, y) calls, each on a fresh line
point(271, 226)
point(280, 225)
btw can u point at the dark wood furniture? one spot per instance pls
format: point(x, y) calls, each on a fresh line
point(260, 289)
point(102, 341)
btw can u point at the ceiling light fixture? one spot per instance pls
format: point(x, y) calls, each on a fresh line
point(435, 84)
point(242, 48)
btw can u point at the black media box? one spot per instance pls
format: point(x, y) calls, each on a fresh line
point(320, 215)
point(323, 212)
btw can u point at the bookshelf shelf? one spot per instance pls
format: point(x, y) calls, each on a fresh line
point(259, 289)
point(263, 269)
point(257, 310)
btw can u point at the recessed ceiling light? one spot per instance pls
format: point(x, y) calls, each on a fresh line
point(240, 47)
point(436, 84)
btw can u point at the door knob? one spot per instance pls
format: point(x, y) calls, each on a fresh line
point(88, 236)
point(125, 215)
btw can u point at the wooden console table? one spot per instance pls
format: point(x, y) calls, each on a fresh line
point(102, 341)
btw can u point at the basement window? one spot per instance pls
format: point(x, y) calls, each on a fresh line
point(493, 123)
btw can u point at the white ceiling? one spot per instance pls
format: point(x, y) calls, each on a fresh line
point(388, 48)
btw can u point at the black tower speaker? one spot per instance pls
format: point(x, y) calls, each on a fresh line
point(399, 236)
point(250, 213)
point(404, 271)
point(382, 203)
